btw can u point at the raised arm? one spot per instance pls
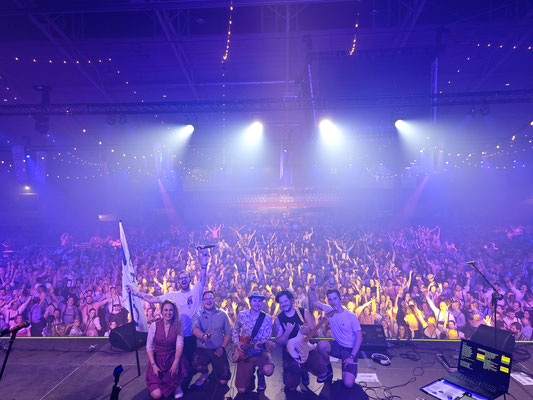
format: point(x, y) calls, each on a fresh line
point(24, 305)
point(312, 296)
point(145, 296)
point(432, 305)
point(359, 309)
point(203, 261)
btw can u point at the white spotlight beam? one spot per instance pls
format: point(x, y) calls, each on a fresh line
point(329, 132)
point(254, 133)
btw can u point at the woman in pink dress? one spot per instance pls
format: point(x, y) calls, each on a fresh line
point(164, 347)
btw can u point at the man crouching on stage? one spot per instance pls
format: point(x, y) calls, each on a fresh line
point(346, 332)
point(287, 325)
point(253, 326)
point(212, 329)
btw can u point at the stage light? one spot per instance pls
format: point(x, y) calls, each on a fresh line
point(329, 131)
point(188, 129)
point(27, 188)
point(407, 129)
point(185, 132)
point(254, 133)
point(28, 156)
point(400, 124)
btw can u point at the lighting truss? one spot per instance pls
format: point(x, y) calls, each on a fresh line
point(268, 104)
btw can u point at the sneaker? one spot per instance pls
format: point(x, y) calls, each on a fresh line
point(178, 393)
point(305, 378)
point(201, 380)
point(324, 378)
point(261, 383)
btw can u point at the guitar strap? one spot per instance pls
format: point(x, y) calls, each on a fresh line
point(257, 326)
point(298, 312)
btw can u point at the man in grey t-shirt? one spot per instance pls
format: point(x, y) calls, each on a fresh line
point(212, 330)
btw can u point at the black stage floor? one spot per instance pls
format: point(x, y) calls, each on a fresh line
point(82, 369)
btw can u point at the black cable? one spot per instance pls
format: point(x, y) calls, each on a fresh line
point(413, 355)
point(521, 353)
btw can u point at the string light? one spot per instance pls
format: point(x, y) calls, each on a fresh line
point(489, 46)
point(51, 60)
point(230, 22)
point(352, 50)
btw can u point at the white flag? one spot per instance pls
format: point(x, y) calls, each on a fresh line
point(129, 279)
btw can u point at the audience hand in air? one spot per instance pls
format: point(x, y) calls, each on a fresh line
point(204, 257)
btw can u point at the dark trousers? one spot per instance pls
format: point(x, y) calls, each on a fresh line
point(36, 328)
point(189, 347)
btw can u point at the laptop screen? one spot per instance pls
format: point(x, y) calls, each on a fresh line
point(485, 363)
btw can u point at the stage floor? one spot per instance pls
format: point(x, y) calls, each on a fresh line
point(82, 369)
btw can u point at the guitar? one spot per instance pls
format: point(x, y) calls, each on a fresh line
point(249, 349)
point(299, 346)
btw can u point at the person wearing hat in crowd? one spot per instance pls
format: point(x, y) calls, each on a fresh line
point(256, 326)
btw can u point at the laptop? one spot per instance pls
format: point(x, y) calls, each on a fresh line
point(482, 371)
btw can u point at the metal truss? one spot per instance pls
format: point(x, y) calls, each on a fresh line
point(404, 14)
point(92, 6)
point(269, 104)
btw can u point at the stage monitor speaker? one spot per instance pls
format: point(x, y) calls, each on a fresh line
point(122, 337)
point(374, 339)
point(484, 335)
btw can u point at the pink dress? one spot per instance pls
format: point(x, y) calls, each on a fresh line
point(164, 352)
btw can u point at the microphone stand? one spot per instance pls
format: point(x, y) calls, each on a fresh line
point(13, 337)
point(495, 297)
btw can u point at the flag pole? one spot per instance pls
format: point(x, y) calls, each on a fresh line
point(134, 327)
point(129, 280)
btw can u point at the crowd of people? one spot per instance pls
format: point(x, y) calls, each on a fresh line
point(413, 280)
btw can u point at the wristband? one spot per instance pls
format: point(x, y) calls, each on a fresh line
point(153, 363)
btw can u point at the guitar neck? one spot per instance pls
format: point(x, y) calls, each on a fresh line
point(316, 328)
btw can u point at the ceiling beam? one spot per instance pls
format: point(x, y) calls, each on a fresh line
point(269, 104)
point(177, 49)
point(88, 7)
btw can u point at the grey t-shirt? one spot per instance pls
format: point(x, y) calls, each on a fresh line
point(217, 324)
